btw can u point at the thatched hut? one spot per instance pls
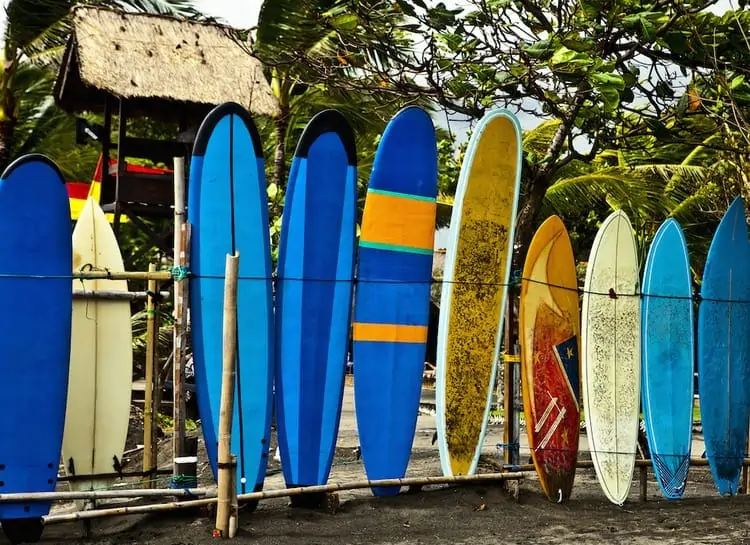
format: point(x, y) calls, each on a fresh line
point(163, 67)
point(141, 65)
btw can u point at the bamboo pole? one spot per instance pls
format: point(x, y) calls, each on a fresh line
point(180, 316)
point(116, 295)
point(224, 481)
point(283, 493)
point(148, 404)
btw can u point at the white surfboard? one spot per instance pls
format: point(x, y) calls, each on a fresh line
point(611, 345)
point(101, 359)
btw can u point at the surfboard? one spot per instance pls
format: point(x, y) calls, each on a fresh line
point(724, 348)
point(668, 357)
point(475, 278)
point(611, 347)
point(392, 303)
point(228, 212)
point(101, 359)
point(35, 274)
point(550, 367)
point(314, 297)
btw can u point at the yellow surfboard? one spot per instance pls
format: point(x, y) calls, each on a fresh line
point(477, 268)
point(101, 359)
point(550, 347)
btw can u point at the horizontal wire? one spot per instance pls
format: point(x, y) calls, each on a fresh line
point(356, 280)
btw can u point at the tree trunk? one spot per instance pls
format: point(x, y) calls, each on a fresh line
point(526, 220)
point(7, 129)
point(281, 124)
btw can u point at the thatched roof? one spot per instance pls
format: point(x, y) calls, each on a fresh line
point(157, 62)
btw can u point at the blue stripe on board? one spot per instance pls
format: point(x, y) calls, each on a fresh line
point(723, 373)
point(317, 244)
point(35, 239)
point(400, 195)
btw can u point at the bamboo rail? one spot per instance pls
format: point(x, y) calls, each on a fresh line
point(282, 493)
point(116, 295)
point(159, 276)
point(31, 497)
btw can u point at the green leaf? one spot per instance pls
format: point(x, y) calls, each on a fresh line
point(406, 7)
point(567, 60)
point(538, 50)
point(737, 81)
point(615, 81)
point(345, 22)
point(610, 97)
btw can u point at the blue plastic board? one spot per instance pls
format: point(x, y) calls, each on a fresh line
point(724, 349)
point(668, 347)
point(228, 212)
point(314, 297)
point(392, 307)
point(35, 317)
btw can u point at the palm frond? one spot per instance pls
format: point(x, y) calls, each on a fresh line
point(538, 140)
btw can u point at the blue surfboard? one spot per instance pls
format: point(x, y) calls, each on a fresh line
point(724, 349)
point(392, 307)
point(228, 210)
point(35, 246)
point(668, 349)
point(314, 297)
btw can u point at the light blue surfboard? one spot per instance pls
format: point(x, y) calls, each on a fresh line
point(724, 349)
point(36, 263)
point(392, 307)
point(228, 212)
point(314, 297)
point(668, 349)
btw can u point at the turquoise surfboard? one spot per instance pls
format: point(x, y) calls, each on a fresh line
point(36, 264)
point(314, 297)
point(392, 304)
point(668, 348)
point(724, 349)
point(228, 212)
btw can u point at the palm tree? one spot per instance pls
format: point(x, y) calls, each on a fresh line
point(297, 40)
point(33, 40)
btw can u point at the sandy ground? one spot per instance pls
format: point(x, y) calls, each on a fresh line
point(477, 515)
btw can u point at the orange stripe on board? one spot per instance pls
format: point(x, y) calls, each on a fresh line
point(390, 333)
point(398, 221)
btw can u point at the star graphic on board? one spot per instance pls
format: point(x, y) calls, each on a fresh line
point(564, 436)
point(536, 357)
point(570, 352)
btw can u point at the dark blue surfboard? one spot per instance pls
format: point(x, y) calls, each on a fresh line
point(228, 211)
point(724, 349)
point(392, 305)
point(668, 357)
point(35, 318)
point(314, 297)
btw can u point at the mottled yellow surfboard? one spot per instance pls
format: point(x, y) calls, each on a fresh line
point(477, 268)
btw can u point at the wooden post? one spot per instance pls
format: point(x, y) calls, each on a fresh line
point(148, 405)
point(644, 482)
point(510, 372)
point(226, 492)
point(180, 314)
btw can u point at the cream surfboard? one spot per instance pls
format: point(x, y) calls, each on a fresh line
point(611, 346)
point(101, 359)
point(477, 267)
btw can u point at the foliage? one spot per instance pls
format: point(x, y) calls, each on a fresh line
point(610, 72)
